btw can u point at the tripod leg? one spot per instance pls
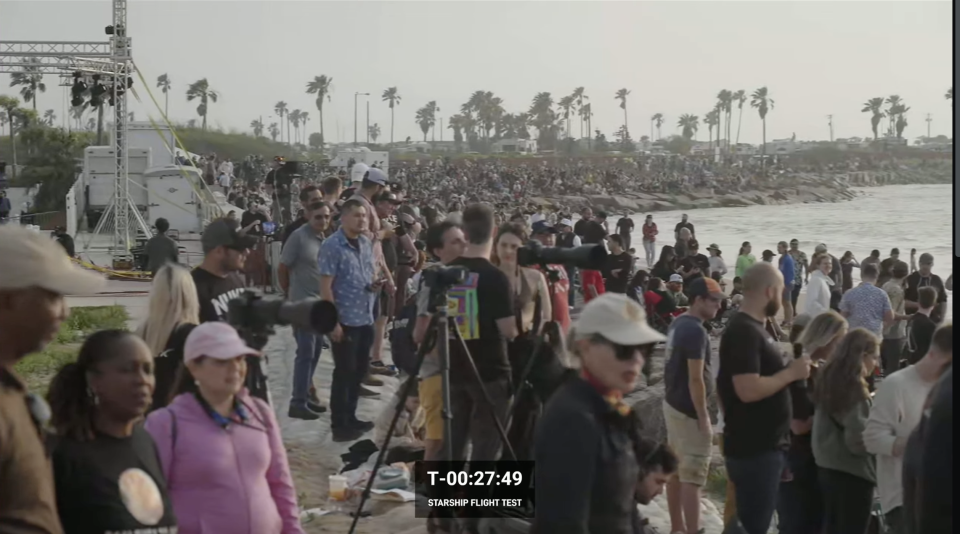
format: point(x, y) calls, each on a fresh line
point(382, 454)
point(486, 396)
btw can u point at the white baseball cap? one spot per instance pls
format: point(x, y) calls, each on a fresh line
point(32, 259)
point(566, 222)
point(676, 278)
point(618, 319)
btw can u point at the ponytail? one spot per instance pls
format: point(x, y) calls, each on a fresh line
point(72, 403)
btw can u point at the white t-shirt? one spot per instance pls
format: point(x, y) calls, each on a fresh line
point(896, 412)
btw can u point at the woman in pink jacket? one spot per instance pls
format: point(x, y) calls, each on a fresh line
point(220, 448)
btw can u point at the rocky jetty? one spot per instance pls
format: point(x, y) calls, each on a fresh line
point(800, 188)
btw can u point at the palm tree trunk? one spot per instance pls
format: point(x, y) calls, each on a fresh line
point(320, 109)
point(203, 125)
point(763, 160)
point(391, 125)
point(166, 105)
point(13, 146)
point(739, 122)
point(625, 128)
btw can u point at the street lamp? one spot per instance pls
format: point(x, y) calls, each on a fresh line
point(355, 96)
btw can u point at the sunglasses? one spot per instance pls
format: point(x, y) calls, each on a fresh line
point(625, 353)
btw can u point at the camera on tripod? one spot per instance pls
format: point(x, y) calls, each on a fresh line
point(590, 257)
point(439, 279)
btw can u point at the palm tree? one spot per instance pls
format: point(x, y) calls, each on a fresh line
point(622, 97)
point(433, 108)
point(200, 90)
point(280, 108)
point(274, 131)
point(49, 116)
point(374, 132)
point(586, 113)
point(76, 113)
point(656, 121)
point(760, 99)
point(424, 119)
point(566, 104)
point(392, 98)
point(741, 97)
point(163, 82)
point(10, 105)
point(579, 96)
point(293, 118)
point(900, 123)
point(92, 124)
point(544, 119)
point(3, 122)
point(874, 106)
point(895, 103)
point(688, 124)
point(949, 95)
point(304, 117)
point(31, 80)
point(725, 105)
point(457, 124)
point(712, 119)
point(257, 126)
point(320, 86)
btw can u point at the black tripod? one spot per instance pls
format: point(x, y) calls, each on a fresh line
point(439, 322)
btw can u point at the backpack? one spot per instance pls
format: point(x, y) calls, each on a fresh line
point(402, 347)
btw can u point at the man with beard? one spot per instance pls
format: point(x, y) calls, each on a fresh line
point(924, 277)
point(658, 464)
point(218, 281)
point(36, 275)
point(752, 386)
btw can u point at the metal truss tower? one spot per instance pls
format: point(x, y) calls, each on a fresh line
point(112, 59)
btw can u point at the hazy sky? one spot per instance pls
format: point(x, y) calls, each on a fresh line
point(816, 58)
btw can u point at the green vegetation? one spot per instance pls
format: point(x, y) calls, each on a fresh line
point(38, 369)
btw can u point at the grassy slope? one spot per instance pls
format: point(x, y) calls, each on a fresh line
point(37, 369)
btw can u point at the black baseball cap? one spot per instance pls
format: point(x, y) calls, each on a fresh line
point(225, 233)
point(388, 196)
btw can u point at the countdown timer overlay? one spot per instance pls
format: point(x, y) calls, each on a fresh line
point(478, 489)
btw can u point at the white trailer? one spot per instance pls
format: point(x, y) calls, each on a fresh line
point(361, 155)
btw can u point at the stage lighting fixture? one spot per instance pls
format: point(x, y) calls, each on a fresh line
point(96, 92)
point(77, 90)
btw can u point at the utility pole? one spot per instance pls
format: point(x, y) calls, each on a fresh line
point(929, 120)
point(441, 129)
point(830, 123)
point(355, 96)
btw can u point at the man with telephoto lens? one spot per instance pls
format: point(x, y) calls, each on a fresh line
point(35, 275)
point(557, 279)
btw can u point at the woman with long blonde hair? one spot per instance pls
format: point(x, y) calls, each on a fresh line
point(800, 501)
point(846, 471)
point(173, 311)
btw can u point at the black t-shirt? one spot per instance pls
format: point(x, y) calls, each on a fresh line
point(751, 428)
point(112, 485)
point(250, 217)
point(476, 306)
point(625, 226)
point(921, 334)
point(166, 364)
point(912, 292)
point(687, 225)
point(593, 233)
point(617, 283)
point(579, 227)
point(698, 261)
point(214, 292)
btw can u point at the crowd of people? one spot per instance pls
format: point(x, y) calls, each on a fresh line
point(171, 429)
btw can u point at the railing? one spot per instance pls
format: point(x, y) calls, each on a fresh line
point(46, 221)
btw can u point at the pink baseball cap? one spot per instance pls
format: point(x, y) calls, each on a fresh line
point(219, 341)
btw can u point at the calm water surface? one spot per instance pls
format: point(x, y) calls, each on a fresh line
point(903, 216)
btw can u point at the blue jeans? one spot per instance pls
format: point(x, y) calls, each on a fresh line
point(756, 481)
point(309, 346)
point(351, 357)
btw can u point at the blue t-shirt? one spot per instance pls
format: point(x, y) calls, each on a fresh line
point(687, 339)
point(788, 269)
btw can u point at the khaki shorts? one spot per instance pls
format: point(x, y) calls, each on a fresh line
point(692, 447)
point(431, 400)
